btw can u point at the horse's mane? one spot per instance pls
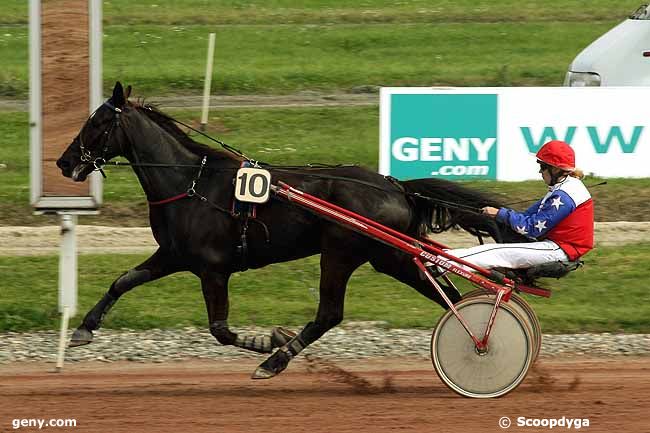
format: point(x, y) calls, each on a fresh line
point(168, 124)
point(441, 215)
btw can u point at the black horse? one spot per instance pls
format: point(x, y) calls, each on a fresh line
point(198, 232)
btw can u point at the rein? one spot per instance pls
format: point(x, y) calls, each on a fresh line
point(394, 181)
point(226, 146)
point(100, 161)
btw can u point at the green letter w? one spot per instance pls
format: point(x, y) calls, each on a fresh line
point(615, 131)
point(547, 135)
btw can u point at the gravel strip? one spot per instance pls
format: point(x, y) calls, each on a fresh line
point(23, 240)
point(344, 342)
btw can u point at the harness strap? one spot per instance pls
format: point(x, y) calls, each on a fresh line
point(190, 191)
point(244, 212)
point(170, 199)
point(242, 248)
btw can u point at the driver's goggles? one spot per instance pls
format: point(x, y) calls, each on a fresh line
point(543, 166)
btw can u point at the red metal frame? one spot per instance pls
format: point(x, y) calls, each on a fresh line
point(421, 250)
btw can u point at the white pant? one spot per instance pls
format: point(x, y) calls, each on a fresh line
point(512, 256)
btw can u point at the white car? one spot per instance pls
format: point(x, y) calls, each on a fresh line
point(620, 57)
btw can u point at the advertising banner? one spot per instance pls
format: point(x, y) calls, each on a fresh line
point(494, 133)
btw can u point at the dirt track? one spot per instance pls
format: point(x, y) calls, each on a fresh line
point(313, 396)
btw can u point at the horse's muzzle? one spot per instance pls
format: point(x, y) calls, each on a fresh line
point(64, 165)
point(81, 172)
point(77, 172)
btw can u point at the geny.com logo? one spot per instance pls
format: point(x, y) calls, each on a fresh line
point(450, 136)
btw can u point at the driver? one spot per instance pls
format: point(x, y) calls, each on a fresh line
point(560, 225)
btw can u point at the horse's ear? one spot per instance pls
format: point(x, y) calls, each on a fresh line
point(127, 93)
point(118, 95)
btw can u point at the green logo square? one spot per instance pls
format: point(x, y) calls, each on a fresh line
point(452, 136)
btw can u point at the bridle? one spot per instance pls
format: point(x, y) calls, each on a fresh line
point(100, 160)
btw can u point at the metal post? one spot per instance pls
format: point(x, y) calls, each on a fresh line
point(67, 280)
point(208, 82)
point(96, 92)
point(63, 338)
point(35, 101)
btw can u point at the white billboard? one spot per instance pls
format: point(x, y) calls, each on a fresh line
point(494, 133)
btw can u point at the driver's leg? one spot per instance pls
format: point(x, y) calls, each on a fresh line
point(511, 256)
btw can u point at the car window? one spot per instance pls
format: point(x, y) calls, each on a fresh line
point(642, 13)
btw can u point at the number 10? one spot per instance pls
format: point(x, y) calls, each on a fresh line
point(248, 185)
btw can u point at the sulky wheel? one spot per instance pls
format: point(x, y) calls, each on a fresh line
point(523, 308)
point(500, 368)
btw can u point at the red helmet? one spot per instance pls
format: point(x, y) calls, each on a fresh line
point(558, 154)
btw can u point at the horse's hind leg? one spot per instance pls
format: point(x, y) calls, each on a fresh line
point(401, 267)
point(156, 266)
point(336, 269)
point(215, 293)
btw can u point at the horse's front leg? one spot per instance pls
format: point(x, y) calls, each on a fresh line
point(336, 270)
point(160, 264)
point(215, 293)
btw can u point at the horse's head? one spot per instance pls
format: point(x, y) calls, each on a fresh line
point(97, 141)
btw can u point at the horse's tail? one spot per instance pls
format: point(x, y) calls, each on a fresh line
point(440, 205)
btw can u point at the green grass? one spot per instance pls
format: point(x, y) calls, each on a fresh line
point(608, 295)
point(284, 46)
point(325, 58)
point(326, 11)
point(280, 47)
point(278, 136)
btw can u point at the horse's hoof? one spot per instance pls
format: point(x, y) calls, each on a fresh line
point(262, 373)
point(281, 336)
point(274, 365)
point(81, 337)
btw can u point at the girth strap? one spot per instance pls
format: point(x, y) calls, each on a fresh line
point(242, 248)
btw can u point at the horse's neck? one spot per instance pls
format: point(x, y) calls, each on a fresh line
point(151, 144)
